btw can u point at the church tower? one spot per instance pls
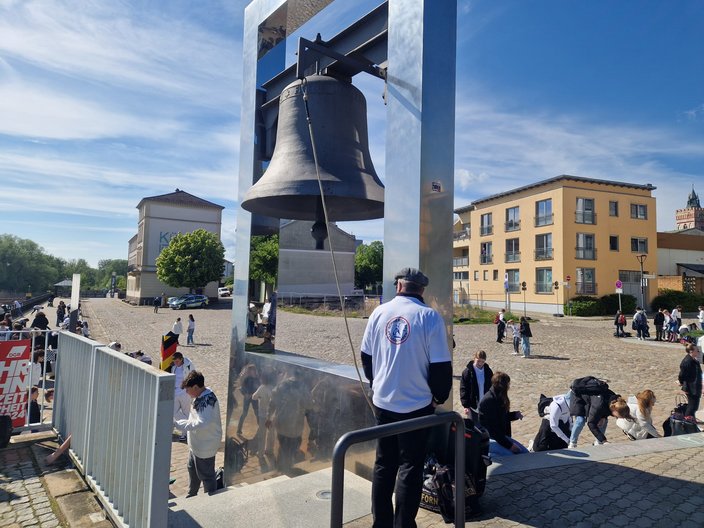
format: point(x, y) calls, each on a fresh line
point(692, 217)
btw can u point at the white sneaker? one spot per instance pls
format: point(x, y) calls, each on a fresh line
point(597, 443)
point(571, 445)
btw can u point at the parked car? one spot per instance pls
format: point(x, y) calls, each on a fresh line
point(189, 301)
point(224, 292)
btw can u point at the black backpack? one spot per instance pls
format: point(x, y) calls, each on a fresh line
point(543, 403)
point(589, 385)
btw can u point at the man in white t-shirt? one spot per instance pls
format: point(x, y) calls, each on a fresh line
point(700, 316)
point(407, 360)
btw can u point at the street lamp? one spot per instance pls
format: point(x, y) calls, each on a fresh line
point(641, 259)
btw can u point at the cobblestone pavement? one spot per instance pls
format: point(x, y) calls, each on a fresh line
point(563, 349)
point(24, 501)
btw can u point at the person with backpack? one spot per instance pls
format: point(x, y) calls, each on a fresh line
point(640, 323)
point(556, 423)
point(475, 382)
point(619, 323)
point(500, 325)
point(590, 404)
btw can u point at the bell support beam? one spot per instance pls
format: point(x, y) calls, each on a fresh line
point(420, 146)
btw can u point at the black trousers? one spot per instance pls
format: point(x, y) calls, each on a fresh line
point(500, 330)
point(200, 470)
point(692, 404)
point(399, 465)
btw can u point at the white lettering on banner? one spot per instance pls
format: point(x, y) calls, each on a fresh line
point(14, 410)
point(17, 376)
point(16, 352)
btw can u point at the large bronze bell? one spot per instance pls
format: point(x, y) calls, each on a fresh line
point(289, 186)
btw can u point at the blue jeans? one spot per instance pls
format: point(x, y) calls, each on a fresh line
point(577, 426)
point(525, 342)
point(189, 339)
point(497, 450)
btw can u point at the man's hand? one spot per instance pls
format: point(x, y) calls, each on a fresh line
point(515, 449)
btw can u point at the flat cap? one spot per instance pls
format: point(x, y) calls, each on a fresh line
point(412, 275)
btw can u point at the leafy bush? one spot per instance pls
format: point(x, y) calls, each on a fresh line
point(583, 305)
point(670, 298)
point(609, 303)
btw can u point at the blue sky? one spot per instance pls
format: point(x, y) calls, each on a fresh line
point(103, 103)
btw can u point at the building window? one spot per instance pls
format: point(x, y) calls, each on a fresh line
point(486, 275)
point(639, 245)
point(543, 212)
point(486, 227)
point(585, 247)
point(639, 211)
point(585, 211)
point(513, 253)
point(513, 222)
point(476, 275)
point(514, 280)
point(613, 243)
point(586, 281)
point(486, 257)
point(543, 280)
point(543, 247)
point(613, 208)
point(460, 275)
point(463, 234)
point(495, 275)
point(462, 260)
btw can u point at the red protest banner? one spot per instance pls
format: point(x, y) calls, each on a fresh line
point(15, 357)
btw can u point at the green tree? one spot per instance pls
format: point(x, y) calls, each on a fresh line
point(24, 265)
point(369, 264)
point(107, 267)
point(264, 258)
point(191, 260)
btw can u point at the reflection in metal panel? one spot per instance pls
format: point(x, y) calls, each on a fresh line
point(119, 413)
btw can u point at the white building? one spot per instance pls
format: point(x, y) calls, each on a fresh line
point(160, 218)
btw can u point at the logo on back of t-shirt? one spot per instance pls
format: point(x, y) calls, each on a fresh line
point(398, 330)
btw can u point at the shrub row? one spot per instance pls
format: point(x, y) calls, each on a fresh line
point(584, 306)
point(670, 298)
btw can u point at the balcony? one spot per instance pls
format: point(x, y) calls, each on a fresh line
point(512, 225)
point(585, 288)
point(486, 259)
point(543, 220)
point(543, 254)
point(486, 230)
point(585, 253)
point(513, 256)
point(585, 217)
point(460, 261)
point(461, 235)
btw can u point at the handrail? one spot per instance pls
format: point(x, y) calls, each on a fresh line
point(382, 431)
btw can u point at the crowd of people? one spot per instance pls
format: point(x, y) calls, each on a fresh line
point(668, 325)
point(589, 401)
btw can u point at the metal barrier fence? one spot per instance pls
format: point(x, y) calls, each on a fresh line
point(119, 414)
point(381, 431)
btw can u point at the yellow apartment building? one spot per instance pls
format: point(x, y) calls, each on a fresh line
point(537, 246)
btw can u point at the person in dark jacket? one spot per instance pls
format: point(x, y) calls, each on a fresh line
point(495, 416)
point(40, 321)
point(598, 412)
point(690, 378)
point(619, 322)
point(659, 322)
point(526, 334)
point(475, 382)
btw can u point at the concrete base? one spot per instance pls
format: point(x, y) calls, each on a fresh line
point(566, 457)
point(298, 502)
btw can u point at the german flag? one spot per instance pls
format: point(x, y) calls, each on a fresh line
point(169, 344)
